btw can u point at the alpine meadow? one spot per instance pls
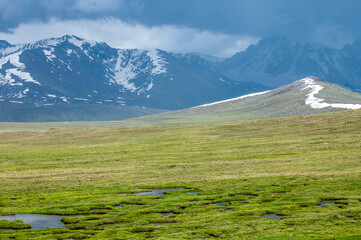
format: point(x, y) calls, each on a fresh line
point(183, 119)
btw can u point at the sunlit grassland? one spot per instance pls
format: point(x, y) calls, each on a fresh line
point(289, 164)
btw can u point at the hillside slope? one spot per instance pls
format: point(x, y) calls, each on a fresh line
point(303, 97)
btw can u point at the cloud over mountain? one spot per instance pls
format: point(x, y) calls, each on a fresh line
point(124, 35)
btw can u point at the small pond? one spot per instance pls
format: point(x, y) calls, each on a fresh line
point(326, 202)
point(37, 221)
point(274, 216)
point(223, 204)
point(157, 191)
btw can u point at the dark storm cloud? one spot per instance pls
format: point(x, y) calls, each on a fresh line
point(15, 12)
point(294, 18)
point(332, 22)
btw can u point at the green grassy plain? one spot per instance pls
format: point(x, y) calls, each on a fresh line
point(289, 165)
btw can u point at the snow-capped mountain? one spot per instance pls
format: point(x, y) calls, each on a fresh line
point(71, 70)
point(310, 95)
point(75, 79)
point(278, 61)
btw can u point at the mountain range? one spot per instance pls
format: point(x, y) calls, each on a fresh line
point(70, 78)
point(277, 61)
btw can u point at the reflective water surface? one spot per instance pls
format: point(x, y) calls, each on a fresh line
point(37, 221)
point(274, 216)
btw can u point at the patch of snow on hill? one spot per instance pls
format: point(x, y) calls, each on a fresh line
point(81, 99)
point(69, 51)
point(76, 42)
point(79, 42)
point(20, 74)
point(233, 99)
point(158, 62)
point(21, 94)
point(133, 63)
point(124, 71)
point(18, 71)
point(317, 103)
point(49, 54)
point(12, 58)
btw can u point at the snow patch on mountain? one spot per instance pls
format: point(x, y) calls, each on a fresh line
point(21, 94)
point(69, 52)
point(131, 63)
point(18, 71)
point(79, 42)
point(10, 50)
point(64, 99)
point(76, 42)
point(49, 54)
point(81, 99)
point(233, 99)
point(150, 86)
point(317, 103)
point(14, 59)
point(158, 62)
point(87, 54)
point(124, 71)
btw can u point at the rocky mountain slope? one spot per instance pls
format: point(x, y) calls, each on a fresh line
point(277, 61)
point(69, 70)
point(73, 70)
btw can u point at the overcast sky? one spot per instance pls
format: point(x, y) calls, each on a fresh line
point(216, 27)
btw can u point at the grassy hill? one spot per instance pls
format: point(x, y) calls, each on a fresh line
point(285, 101)
point(284, 166)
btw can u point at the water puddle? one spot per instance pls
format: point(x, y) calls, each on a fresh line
point(274, 216)
point(223, 204)
point(157, 191)
point(8, 230)
point(37, 221)
point(325, 203)
point(120, 205)
point(166, 214)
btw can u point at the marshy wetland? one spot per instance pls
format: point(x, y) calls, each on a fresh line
point(264, 179)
